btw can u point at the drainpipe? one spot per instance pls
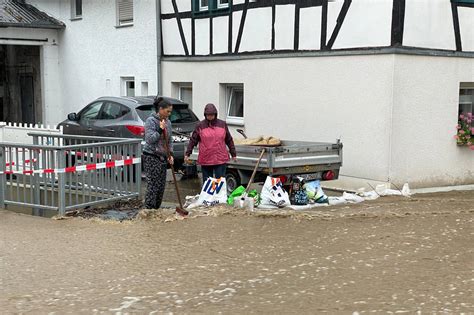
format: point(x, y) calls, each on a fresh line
point(159, 47)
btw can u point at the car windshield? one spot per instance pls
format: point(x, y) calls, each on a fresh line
point(180, 114)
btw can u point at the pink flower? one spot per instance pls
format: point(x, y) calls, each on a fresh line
point(461, 116)
point(456, 137)
point(462, 132)
point(467, 136)
point(469, 115)
point(458, 127)
point(469, 121)
point(469, 143)
point(472, 130)
point(472, 147)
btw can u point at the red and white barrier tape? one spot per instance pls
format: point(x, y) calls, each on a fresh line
point(81, 168)
point(26, 162)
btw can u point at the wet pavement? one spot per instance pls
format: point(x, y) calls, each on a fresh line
point(187, 187)
point(391, 255)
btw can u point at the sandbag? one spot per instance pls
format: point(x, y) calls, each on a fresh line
point(315, 192)
point(272, 141)
point(213, 192)
point(273, 193)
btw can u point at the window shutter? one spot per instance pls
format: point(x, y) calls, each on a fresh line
point(125, 11)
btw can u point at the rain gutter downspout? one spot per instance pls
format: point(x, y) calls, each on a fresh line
point(159, 48)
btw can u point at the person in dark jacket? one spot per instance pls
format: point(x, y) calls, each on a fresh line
point(155, 155)
point(213, 136)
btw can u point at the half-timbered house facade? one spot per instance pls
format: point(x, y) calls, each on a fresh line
point(388, 77)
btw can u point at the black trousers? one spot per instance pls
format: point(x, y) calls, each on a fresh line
point(155, 171)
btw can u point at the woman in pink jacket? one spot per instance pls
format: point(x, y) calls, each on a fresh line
point(213, 137)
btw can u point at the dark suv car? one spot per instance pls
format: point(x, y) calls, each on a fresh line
point(124, 117)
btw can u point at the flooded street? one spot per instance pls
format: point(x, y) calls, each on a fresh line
point(390, 255)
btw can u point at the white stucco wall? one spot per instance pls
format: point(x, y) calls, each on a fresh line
point(284, 26)
point(51, 84)
point(172, 44)
point(425, 109)
point(310, 29)
point(466, 26)
point(202, 35)
point(220, 34)
point(36, 35)
point(368, 23)
point(429, 24)
point(257, 33)
point(313, 99)
point(94, 53)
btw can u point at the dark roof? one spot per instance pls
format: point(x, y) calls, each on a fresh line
point(17, 13)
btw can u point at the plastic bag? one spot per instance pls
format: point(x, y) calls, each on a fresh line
point(298, 195)
point(239, 191)
point(191, 202)
point(236, 193)
point(352, 198)
point(214, 192)
point(383, 191)
point(273, 193)
point(300, 198)
point(315, 192)
point(256, 197)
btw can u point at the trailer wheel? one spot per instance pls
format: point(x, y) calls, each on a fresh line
point(233, 180)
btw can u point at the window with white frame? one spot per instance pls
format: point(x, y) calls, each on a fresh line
point(466, 103)
point(222, 4)
point(203, 5)
point(124, 12)
point(210, 6)
point(128, 86)
point(235, 104)
point(185, 93)
point(76, 9)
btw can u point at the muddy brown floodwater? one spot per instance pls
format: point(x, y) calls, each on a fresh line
point(391, 255)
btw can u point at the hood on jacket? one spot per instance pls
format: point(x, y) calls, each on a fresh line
point(210, 109)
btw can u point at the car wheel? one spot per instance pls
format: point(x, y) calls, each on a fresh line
point(233, 180)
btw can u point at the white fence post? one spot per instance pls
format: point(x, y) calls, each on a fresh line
point(2, 129)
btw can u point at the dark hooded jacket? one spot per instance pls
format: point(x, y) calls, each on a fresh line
point(213, 138)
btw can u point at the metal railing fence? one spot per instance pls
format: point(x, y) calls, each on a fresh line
point(67, 172)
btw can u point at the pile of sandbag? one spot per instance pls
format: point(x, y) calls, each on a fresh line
point(259, 141)
point(303, 195)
